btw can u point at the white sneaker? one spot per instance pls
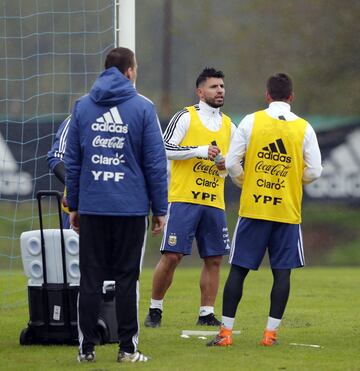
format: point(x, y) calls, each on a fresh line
point(132, 357)
point(87, 357)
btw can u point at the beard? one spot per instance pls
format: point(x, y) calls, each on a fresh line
point(213, 103)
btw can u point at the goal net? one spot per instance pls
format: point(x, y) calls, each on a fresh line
point(50, 53)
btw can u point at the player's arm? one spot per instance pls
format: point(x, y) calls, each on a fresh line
point(55, 156)
point(154, 167)
point(72, 160)
point(312, 156)
point(175, 133)
point(220, 160)
point(237, 150)
point(59, 171)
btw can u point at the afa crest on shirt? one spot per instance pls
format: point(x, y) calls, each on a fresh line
point(172, 240)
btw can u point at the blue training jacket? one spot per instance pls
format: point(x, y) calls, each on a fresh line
point(115, 157)
point(57, 151)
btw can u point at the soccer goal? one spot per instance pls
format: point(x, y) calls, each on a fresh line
point(50, 54)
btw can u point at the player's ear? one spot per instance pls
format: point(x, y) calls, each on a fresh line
point(268, 97)
point(291, 97)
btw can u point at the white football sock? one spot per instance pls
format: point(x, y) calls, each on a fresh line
point(228, 322)
point(156, 304)
point(204, 311)
point(273, 323)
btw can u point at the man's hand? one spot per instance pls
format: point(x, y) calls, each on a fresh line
point(157, 224)
point(221, 164)
point(75, 221)
point(64, 202)
point(213, 151)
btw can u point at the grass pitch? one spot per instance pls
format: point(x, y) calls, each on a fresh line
point(323, 310)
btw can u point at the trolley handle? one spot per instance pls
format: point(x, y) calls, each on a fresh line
point(58, 195)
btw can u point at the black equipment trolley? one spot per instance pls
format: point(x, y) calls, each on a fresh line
point(53, 306)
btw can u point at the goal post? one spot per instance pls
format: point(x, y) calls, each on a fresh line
point(124, 23)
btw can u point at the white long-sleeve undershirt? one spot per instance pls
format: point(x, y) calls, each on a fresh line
point(178, 126)
point(241, 138)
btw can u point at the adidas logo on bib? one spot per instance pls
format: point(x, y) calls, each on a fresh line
point(275, 151)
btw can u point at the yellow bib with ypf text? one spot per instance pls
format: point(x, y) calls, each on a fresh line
point(272, 188)
point(197, 180)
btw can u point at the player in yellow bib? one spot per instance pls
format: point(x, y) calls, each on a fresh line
point(196, 141)
point(280, 153)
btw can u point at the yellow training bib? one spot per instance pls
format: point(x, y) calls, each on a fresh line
point(65, 209)
point(197, 180)
point(272, 188)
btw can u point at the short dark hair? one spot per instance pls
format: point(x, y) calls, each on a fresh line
point(279, 86)
point(208, 72)
point(122, 58)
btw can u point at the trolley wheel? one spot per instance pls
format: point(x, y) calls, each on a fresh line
point(104, 333)
point(27, 336)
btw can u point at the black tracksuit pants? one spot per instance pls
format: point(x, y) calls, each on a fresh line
point(111, 248)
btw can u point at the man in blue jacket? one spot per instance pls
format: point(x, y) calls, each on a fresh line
point(115, 171)
point(55, 159)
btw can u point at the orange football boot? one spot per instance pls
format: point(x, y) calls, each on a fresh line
point(269, 338)
point(223, 339)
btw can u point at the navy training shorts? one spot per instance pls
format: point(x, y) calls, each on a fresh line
point(253, 236)
point(186, 221)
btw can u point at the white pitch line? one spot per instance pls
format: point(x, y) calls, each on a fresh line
point(306, 345)
point(203, 333)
